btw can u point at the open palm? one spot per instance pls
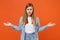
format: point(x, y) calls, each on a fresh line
point(7, 24)
point(51, 24)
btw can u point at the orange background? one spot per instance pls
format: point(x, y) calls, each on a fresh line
point(46, 10)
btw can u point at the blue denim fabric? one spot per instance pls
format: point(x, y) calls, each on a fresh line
point(31, 36)
point(25, 36)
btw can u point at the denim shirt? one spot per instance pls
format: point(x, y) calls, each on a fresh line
point(21, 28)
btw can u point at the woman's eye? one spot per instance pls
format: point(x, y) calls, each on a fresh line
point(27, 9)
point(30, 9)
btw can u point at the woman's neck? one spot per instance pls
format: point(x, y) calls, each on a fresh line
point(29, 16)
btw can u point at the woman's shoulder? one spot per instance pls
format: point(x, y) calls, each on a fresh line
point(37, 17)
point(21, 16)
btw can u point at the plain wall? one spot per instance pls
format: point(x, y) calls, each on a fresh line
point(46, 10)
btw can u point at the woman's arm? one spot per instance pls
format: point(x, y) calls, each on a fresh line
point(19, 27)
point(41, 28)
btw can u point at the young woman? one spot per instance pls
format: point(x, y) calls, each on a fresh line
point(29, 24)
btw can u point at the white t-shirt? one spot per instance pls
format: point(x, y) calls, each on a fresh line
point(29, 28)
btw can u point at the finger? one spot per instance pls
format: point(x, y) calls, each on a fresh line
point(3, 23)
point(52, 24)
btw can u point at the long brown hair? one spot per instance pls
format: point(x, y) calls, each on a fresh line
point(25, 21)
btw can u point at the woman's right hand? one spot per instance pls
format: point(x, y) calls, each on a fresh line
point(7, 24)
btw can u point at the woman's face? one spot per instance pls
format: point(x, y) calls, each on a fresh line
point(29, 10)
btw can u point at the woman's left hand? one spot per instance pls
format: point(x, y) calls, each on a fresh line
point(51, 24)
